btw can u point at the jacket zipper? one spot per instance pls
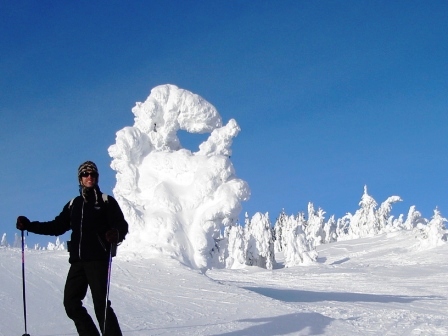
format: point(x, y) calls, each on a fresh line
point(101, 243)
point(80, 229)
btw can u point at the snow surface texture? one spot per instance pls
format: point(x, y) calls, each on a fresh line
point(378, 286)
point(177, 202)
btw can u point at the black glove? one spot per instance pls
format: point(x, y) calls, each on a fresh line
point(22, 223)
point(112, 236)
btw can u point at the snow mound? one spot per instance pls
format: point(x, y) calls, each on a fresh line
point(177, 202)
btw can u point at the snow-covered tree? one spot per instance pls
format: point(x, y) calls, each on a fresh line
point(4, 242)
point(383, 213)
point(315, 224)
point(17, 241)
point(343, 227)
point(279, 227)
point(298, 249)
point(177, 201)
point(413, 219)
point(236, 248)
point(398, 224)
point(329, 230)
point(434, 233)
point(301, 220)
point(364, 222)
point(57, 246)
point(260, 244)
point(246, 221)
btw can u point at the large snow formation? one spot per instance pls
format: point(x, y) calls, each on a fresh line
point(177, 202)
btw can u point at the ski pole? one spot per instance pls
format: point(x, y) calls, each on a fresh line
point(23, 283)
point(112, 247)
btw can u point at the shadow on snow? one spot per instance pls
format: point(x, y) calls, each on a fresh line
point(293, 295)
point(310, 323)
point(313, 323)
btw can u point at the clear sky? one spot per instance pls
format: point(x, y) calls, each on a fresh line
point(330, 96)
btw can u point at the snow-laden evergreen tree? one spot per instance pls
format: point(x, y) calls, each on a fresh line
point(17, 241)
point(220, 251)
point(434, 233)
point(4, 242)
point(301, 220)
point(61, 245)
point(369, 221)
point(57, 246)
point(383, 214)
point(246, 221)
point(414, 218)
point(236, 248)
point(315, 225)
point(364, 222)
point(343, 227)
point(397, 224)
point(297, 249)
point(251, 247)
point(279, 227)
point(223, 246)
point(260, 244)
point(329, 230)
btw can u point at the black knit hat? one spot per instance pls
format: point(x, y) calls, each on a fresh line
point(87, 166)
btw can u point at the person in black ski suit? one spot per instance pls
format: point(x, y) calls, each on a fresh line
point(97, 225)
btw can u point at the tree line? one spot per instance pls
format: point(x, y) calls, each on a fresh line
point(296, 236)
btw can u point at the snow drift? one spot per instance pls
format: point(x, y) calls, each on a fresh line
point(177, 202)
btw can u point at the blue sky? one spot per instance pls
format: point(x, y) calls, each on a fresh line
point(330, 96)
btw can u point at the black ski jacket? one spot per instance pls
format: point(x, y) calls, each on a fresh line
point(89, 222)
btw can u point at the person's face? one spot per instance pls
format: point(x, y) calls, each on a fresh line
point(89, 179)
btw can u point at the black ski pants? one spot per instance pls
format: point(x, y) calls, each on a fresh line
point(93, 274)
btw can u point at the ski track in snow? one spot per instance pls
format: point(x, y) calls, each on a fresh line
point(372, 286)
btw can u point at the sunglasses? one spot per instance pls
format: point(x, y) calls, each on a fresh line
point(85, 174)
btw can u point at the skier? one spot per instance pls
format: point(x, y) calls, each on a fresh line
point(97, 225)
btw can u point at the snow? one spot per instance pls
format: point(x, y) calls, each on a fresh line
point(381, 285)
point(177, 202)
point(188, 267)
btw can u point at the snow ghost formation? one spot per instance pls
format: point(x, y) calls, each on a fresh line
point(176, 201)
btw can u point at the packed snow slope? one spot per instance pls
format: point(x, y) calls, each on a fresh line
point(383, 285)
point(177, 202)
